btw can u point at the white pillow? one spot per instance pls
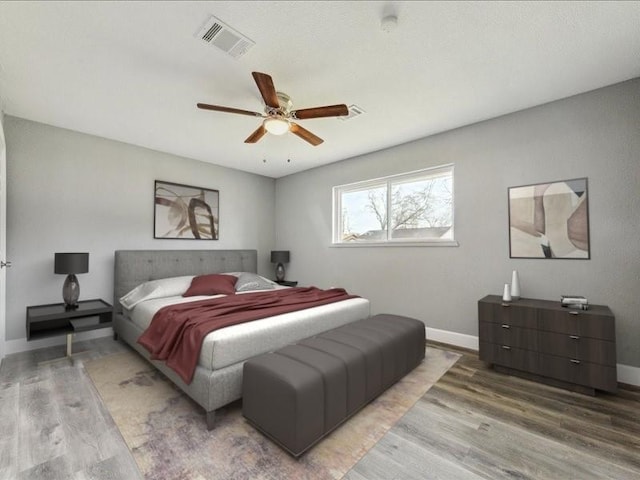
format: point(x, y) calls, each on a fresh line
point(163, 287)
point(250, 281)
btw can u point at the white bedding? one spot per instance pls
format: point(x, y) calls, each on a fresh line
point(239, 342)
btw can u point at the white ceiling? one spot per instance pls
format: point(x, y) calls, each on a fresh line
point(133, 71)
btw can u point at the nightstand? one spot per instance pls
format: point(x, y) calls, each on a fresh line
point(286, 283)
point(54, 319)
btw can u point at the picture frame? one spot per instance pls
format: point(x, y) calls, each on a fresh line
point(550, 220)
point(185, 212)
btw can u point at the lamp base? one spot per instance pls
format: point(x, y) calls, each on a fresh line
point(280, 272)
point(71, 292)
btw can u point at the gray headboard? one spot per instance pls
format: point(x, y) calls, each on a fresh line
point(133, 267)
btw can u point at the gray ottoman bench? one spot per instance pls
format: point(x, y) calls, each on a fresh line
point(300, 393)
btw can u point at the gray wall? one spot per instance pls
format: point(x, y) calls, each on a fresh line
point(594, 135)
point(3, 257)
point(68, 191)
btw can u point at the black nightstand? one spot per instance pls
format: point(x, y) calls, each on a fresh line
point(54, 319)
point(286, 283)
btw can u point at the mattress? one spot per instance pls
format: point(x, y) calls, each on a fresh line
point(237, 343)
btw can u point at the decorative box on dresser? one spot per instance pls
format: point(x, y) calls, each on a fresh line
point(541, 340)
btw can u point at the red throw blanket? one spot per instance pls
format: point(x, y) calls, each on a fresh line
point(176, 332)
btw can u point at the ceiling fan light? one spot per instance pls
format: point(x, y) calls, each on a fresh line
point(276, 126)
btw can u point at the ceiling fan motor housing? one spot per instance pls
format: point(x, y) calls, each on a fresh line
point(285, 106)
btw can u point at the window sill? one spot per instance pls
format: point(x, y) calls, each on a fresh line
point(447, 243)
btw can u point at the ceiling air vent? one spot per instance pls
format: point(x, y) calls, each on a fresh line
point(354, 111)
point(216, 32)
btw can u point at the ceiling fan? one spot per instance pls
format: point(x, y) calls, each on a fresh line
point(278, 113)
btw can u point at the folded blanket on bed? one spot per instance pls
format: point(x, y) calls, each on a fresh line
point(176, 332)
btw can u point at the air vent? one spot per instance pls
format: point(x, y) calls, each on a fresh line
point(354, 111)
point(216, 32)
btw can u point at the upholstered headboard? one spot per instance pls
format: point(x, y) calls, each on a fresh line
point(133, 267)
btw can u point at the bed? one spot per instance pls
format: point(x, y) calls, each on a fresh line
point(217, 380)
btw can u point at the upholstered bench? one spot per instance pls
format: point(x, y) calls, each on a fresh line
point(300, 393)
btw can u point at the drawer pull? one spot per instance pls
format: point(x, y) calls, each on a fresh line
point(573, 360)
point(506, 304)
point(506, 347)
point(574, 337)
point(573, 312)
point(504, 325)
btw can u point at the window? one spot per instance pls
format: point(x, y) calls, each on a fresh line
point(415, 207)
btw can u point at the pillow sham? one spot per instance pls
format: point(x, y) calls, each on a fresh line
point(212, 284)
point(250, 281)
point(163, 287)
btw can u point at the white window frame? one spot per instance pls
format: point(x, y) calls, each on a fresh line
point(387, 181)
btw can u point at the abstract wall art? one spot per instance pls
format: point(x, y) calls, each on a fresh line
point(185, 212)
point(549, 220)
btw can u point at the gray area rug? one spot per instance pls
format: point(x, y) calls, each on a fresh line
point(166, 432)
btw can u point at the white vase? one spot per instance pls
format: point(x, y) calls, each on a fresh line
point(515, 286)
point(506, 295)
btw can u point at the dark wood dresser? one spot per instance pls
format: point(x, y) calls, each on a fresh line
point(543, 341)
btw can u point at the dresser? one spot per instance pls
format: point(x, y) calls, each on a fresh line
point(543, 341)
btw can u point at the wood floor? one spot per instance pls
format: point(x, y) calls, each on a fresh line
point(474, 423)
point(53, 423)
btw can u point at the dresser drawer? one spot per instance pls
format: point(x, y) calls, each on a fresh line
point(510, 314)
point(566, 345)
point(602, 377)
point(507, 356)
point(504, 334)
point(577, 322)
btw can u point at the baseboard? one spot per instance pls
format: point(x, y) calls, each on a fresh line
point(452, 338)
point(22, 345)
point(629, 375)
point(626, 373)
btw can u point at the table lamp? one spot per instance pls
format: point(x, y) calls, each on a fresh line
point(70, 264)
point(280, 257)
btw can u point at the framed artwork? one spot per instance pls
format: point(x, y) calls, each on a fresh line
point(185, 212)
point(549, 220)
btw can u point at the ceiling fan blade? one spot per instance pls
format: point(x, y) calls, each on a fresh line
point(257, 135)
point(318, 112)
point(267, 90)
point(218, 108)
point(305, 134)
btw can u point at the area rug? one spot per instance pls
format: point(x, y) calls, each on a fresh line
point(166, 432)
